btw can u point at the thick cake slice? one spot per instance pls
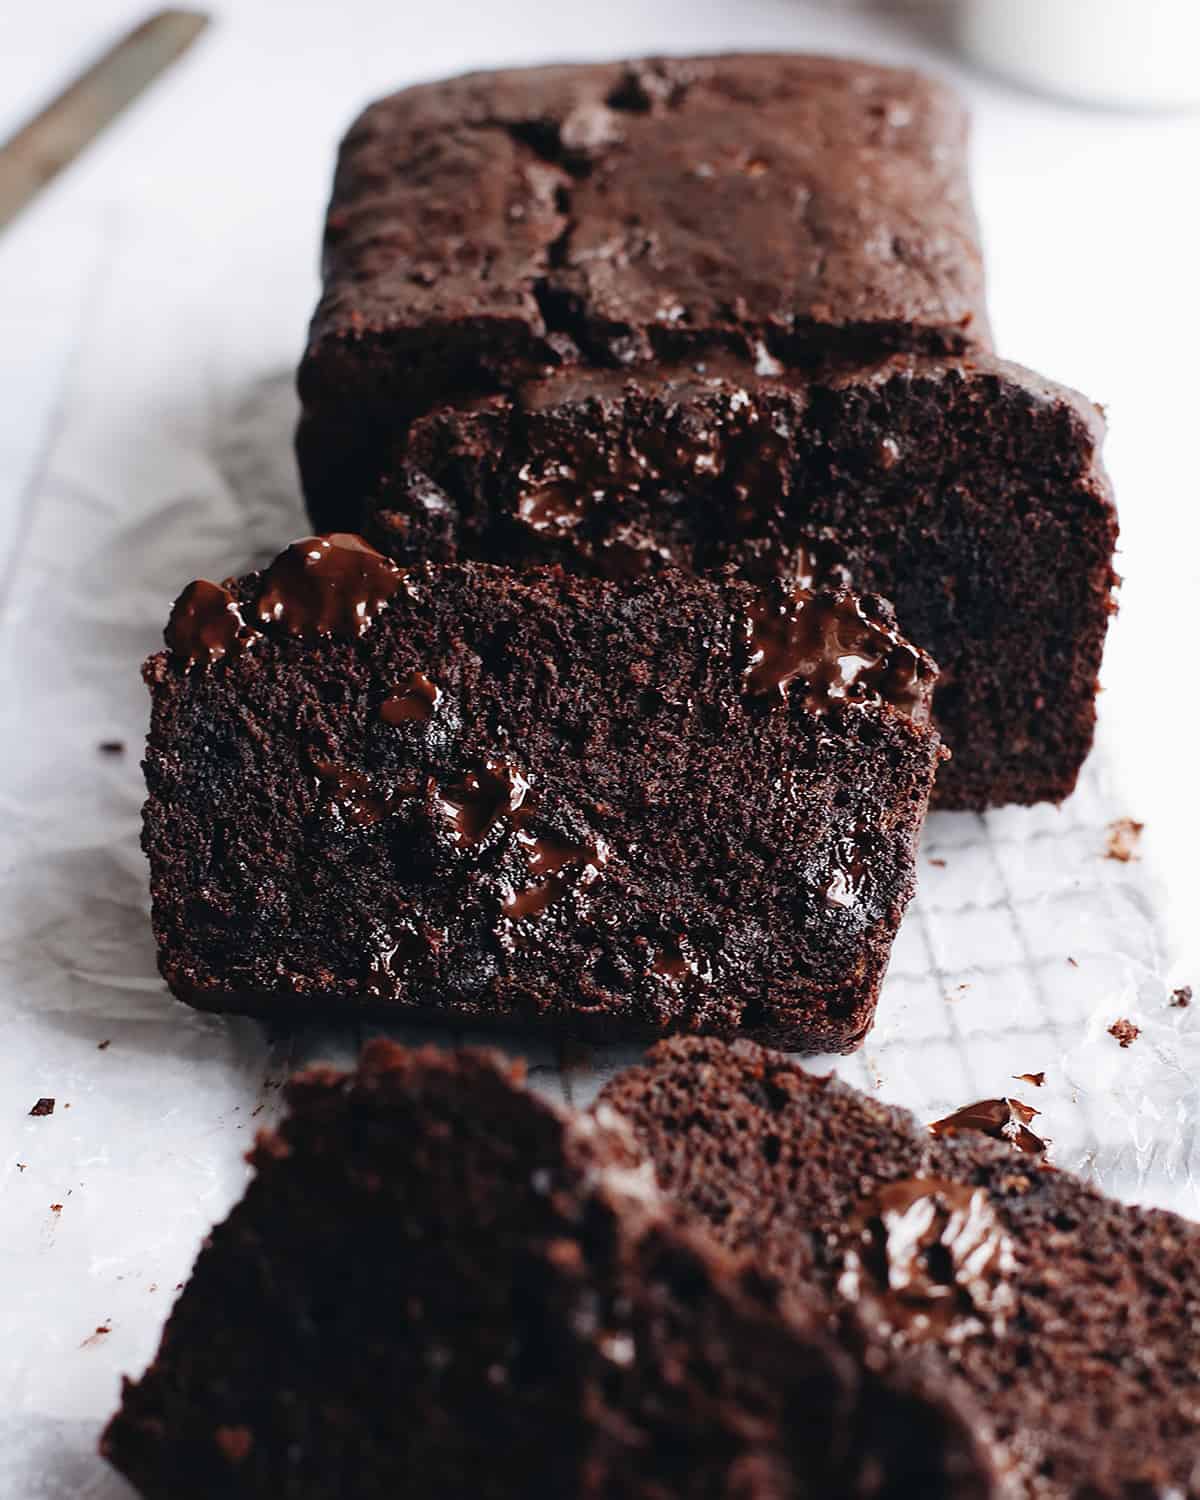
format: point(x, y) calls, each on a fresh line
point(681, 804)
point(1074, 1320)
point(493, 1301)
point(969, 492)
point(487, 228)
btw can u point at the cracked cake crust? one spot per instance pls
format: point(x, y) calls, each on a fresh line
point(486, 228)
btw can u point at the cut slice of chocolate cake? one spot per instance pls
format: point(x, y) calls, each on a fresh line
point(466, 793)
point(969, 492)
point(487, 228)
point(493, 1300)
point(1074, 1320)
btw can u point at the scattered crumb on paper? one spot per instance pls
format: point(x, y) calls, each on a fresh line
point(1125, 1032)
point(1123, 837)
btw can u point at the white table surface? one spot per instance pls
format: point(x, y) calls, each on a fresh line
point(158, 293)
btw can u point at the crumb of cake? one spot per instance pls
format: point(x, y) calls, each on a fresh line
point(1074, 962)
point(1181, 998)
point(21, 1165)
point(56, 1208)
point(1037, 1079)
point(104, 1045)
point(99, 1332)
point(938, 863)
point(1123, 838)
point(43, 1107)
point(1125, 1032)
point(112, 747)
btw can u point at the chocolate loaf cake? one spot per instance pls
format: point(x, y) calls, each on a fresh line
point(457, 791)
point(1074, 1320)
point(968, 492)
point(707, 311)
point(495, 1301)
point(488, 228)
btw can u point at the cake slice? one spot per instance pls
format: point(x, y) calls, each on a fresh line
point(486, 228)
point(437, 1285)
point(1074, 1320)
point(459, 792)
point(967, 491)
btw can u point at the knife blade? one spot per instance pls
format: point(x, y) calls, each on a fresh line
point(40, 150)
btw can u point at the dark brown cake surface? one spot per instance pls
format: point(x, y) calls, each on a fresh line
point(969, 492)
point(1074, 1320)
point(494, 1301)
point(528, 799)
point(488, 227)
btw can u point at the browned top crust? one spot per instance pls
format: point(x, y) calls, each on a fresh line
point(500, 223)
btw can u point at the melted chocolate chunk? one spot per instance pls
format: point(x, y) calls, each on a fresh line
point(676, 962)
point(694, 453)
point(555, 866)
point(469, 810)
point(400, 955)
point(628, 553)
point(929, 1259)
point(497, 792)
point(352, 798)
point(829, 644)
point(412, 701)
point(552, 505)
point(846, 881)
point(205, 625)
point(327, 585)
point(1002, 1119)
point(670, 963)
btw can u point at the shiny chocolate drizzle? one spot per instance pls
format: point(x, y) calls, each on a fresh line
point(1002, 1119)
point(829, 645)
point(206, 624)
point(327, 585)
point(411, 701)
point(929, 1258)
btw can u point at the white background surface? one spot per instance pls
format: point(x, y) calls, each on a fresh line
point(151, 306)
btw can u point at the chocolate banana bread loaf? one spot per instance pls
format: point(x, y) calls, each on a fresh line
point(494, 1301)
point(690, 312)
point(457, 791)
point(1074, 1320)
point(968, 492)
point(487, 228)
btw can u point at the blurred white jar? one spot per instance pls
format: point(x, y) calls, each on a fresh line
point(1138, 54)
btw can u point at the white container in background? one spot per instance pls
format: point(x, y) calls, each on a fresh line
point(1135, 54)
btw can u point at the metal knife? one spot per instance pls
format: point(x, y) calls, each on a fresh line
point(40, 150)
